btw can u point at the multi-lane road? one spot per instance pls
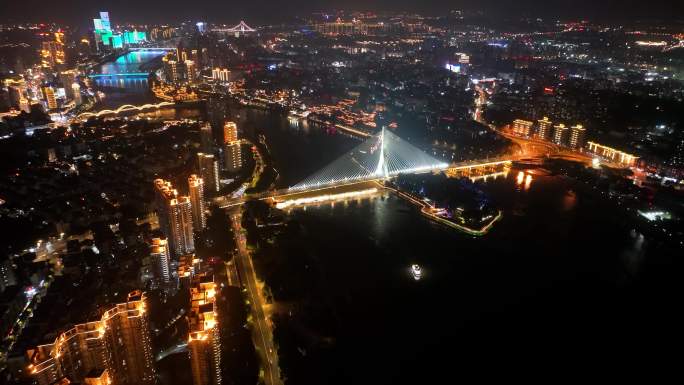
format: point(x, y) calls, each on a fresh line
point(262, 333)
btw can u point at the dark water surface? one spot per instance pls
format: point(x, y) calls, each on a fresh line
point(562, 279)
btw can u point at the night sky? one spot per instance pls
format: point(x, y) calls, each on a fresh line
point(74, 11)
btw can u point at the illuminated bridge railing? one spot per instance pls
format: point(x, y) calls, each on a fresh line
point(125, 108)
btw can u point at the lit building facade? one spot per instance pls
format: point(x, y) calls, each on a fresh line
point(544, 128)
point(175, 218)
point(204, 341)
point(230, 133)
point(231, 147)
point(196, 192)
point(577, 136)
point(560, 134)
point(118, 344)
point(50, 99)
point(52, 52)
point(160, 254)
point(207, 166)
point(522, 127)
point(191, 70)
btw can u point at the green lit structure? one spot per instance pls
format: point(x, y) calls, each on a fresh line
point(105, 35)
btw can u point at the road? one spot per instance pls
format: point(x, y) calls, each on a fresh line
point(262, 333)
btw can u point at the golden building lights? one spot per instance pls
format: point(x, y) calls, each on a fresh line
point(196, 192)
point(116, 348)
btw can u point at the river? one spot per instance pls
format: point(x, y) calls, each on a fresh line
point(127, 71)
point(557, 275)
point(561, 278)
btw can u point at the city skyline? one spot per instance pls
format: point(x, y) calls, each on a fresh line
point(226, 12)
point(307, 193)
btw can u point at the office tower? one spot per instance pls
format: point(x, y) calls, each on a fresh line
point(577, 134)
point(230, 132)
point(76, 90)
point(206, 138)
point(522, 127)
point(49, 95)
point(116, 347)
point(159, 252)
point(544, 128)
point(560, 133)
point(196, 189)
point(204, 341)
point(191, 70)
point(231, 148)
point(208, 171)
point(175, 218)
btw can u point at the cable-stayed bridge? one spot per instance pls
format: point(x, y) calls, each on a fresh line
point(379, 157)
point(242, 27)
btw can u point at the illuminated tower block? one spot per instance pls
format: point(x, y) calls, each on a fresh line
point(577, 135)
point(208, 171)
point(560, 134)
point(159, 251)
point(204, 340)
point(117, 348)
point(544, 128)
point(522, 127)
point(175, 218)
point(196, 189)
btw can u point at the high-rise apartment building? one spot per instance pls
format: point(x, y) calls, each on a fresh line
point(118, 344)
point(175, 218)
point(577, 136)
point(544, 128)
point(191, 70)
point(233, 156)
point(172, 71)
point(522, 127)
point(560, 134)
point(204, 341)
point(160, 254)
point(206, 138)
point(231, 147)
point(207, 166)
point(230, 133)
point(196, 192)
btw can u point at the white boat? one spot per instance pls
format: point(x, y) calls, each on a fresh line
point(416, 271)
